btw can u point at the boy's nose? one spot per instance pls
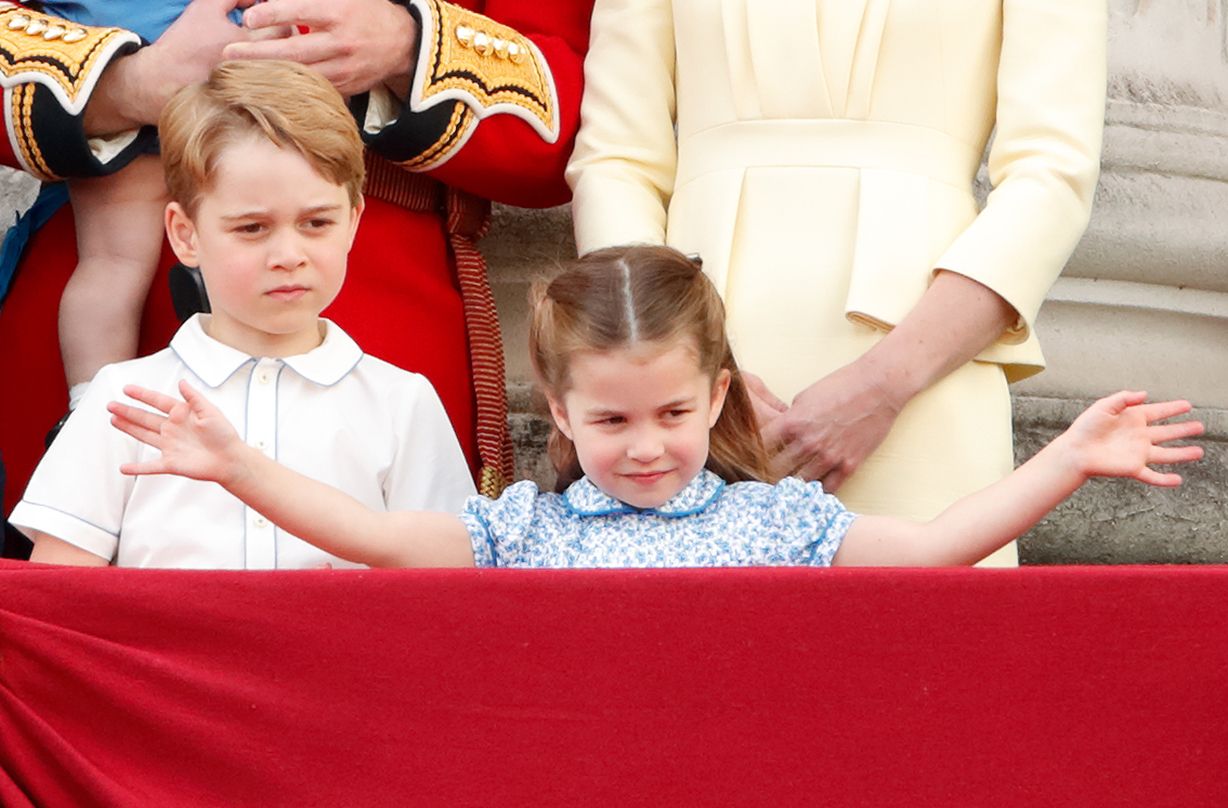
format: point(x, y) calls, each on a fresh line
point(286, 252)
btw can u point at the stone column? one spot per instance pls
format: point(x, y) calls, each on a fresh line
point(1143, 302)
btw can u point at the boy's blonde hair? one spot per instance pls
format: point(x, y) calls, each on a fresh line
point(291, 105)
point(621, 297)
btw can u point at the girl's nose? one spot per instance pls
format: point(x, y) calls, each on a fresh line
point(645, 447)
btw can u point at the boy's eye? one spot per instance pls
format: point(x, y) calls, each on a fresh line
point(675, 414)
point(249, 228)
point(612, 420)
point(318, 224)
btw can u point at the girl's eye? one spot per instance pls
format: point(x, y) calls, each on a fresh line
point(613, 420)
point(676, 414)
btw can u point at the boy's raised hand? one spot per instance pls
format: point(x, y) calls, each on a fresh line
point(1119, 436)
point(195, 439)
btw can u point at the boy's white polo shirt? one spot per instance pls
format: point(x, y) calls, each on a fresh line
point(375, 431)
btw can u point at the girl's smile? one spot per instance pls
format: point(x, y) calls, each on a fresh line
point(640, 418)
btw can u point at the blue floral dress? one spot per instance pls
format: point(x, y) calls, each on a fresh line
point(710, 523)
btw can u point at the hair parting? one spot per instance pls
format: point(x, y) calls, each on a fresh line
point(620, 297)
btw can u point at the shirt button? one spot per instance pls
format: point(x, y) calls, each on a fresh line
point(260, 521)
point(263, 377)
point(261, 444)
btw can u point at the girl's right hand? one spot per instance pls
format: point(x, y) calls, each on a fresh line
point(195, 439)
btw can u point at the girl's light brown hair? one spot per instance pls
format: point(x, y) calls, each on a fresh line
point(291, 105)
point(620, 297)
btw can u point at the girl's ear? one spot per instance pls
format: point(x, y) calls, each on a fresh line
point(720, 388)
point(355, 215)
point(559, 413)
point(181, 233)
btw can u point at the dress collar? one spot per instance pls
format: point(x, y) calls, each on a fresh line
point(214, 363)
point(585, 499)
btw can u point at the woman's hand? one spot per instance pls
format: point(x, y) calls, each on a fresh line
point(195, 439)
point(133, 89)
point(766, 405)
point(355, 44)
point(832, 426)
point(1118, 437)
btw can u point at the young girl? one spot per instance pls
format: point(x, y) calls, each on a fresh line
point(659, 460)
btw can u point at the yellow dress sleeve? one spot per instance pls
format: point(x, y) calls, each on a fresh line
point(622, 169)
point(1045, 157)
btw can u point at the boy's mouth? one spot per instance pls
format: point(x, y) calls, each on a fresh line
point(287, 292)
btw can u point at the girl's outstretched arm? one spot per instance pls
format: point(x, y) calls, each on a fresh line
point(1117, 436)
point(197, 441)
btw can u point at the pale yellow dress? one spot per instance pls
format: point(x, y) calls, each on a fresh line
point(820, 156)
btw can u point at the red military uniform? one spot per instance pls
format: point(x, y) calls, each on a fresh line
point(491, 116)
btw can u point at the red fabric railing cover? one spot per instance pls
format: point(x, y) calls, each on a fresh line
point(1060, 686)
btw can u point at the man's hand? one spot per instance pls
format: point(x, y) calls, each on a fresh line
point(133, 89)
point(355, 44)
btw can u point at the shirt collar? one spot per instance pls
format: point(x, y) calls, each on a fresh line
point(214, 363)
point(585, 499)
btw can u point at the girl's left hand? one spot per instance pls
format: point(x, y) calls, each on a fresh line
point(1119, 436)
point(832, 427)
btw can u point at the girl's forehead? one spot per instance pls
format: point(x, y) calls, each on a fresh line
point(644, 352)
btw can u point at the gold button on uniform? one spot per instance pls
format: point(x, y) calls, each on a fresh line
point(464, 35)
point(75, 35)
point(482, 43)
point(54, 32)
point(36, 27)
point(19, 21)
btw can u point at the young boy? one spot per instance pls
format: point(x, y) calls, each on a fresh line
point(264, 169)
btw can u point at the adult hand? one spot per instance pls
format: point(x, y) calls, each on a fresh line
point(833, 426)
point(133, 89)
point(763, 401)
point(355, 44)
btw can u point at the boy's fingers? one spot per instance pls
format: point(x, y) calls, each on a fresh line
point(191, 394)
point(136, 415)
point(159, 401)
point(137, 431)
point(137, 469)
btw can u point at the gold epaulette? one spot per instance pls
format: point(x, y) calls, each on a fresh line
point(488, 67)
point(37, 50)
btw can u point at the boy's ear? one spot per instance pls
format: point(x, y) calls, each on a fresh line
point(181, 233)
point(559, 413)
point(356, 214)
point(720, 388)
